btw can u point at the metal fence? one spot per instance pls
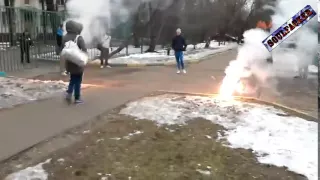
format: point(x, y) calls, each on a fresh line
point(16, 49)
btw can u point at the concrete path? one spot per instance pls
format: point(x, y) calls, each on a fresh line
point(26, 125)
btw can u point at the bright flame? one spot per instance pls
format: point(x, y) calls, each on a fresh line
point(240, 87)
point(229, 86)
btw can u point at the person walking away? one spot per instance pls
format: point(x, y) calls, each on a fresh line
point(104, 48)
point(179, 45)
point(25, 43)
point(76, 72)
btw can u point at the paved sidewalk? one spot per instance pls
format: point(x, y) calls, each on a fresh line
point(30, 124)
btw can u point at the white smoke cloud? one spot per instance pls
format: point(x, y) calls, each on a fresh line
point(94, 15)
point(306, 38)
point(99, 16)
point(287, 62)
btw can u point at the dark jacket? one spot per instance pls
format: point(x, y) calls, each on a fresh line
point(179, 43)
point(73, 29)
point(25, 41)
point(59, 36)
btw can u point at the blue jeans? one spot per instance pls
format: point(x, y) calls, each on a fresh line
point(75, 85)
point(179, 59)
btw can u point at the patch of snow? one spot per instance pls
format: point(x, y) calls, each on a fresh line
point(93, 53)
point(207, 136)
point(14, 91)
point(116, 138)
point(146, 55)
point(132, 134)
point(313, 69)
point(162, 57)
point(128, 136)
point(277, 140)
point(204, 172)
point(60, 160)
point(99, 140)
point(86, 132)
point(170, 130)
point(30, 173)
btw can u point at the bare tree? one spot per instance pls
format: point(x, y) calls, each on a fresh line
point(200, 20)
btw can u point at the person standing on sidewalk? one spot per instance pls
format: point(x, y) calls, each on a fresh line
point(25, 43)
point(104, 47)
point(76, 72)
point(179, 45)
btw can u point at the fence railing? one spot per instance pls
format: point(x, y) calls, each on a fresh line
point(15, 50)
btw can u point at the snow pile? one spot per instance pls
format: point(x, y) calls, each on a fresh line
point(162, 57)
point(92, 53)
point(275, 138)
point(146, 55)
point(313, 69)
point(213, 44)
point(14, 91)
point(30, 173)
point(136, 57)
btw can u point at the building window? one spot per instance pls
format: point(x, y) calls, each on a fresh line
point(26, 1)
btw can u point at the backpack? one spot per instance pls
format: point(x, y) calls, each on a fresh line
point(71, 52)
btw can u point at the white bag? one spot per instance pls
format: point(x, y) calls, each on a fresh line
point(71, 52)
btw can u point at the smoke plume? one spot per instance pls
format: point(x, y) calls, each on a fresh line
point(286, 61)
point(100, 16)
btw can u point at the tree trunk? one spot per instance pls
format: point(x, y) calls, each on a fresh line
point(152, 44)
point(207, 44)
point(150, 26)
point(136, 42)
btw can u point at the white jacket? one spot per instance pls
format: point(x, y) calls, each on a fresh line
point(106, 41)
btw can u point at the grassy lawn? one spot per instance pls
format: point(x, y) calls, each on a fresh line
point(150, 152)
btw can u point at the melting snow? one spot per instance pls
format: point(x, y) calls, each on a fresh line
point(162, 57)
point(14, 91)
point(278, 140)
point(204, 172)
point(30, 173)
point(128, 136)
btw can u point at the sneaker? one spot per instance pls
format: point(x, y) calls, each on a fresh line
point(101, 67)
point(108, 66)
point(78, 101)
point(184, 71)
point(178, 71)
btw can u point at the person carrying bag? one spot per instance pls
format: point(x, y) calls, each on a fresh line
point(75, 57)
